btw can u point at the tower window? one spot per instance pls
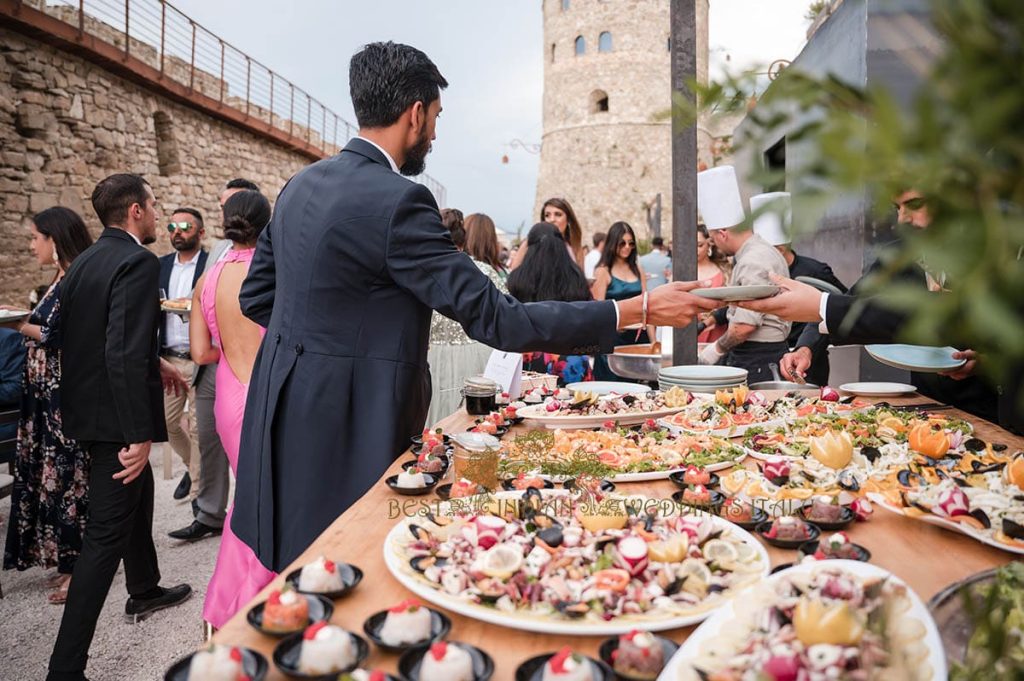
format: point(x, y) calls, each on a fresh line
point(581, 45)
point(565, 5)
point(604, 42)
point(167, 159)
point(552, 53)
point(598, 101)
point(668, 43)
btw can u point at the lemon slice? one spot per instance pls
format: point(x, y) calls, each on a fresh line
point(720, 551)
point(671, 550)
point(745, 553)
point(502, 561)
point(695, 567)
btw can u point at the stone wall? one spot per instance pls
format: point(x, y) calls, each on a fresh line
point(611, 164)
point(66, 123)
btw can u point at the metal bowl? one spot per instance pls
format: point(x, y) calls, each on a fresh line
point(629, 363)
point(782, 385)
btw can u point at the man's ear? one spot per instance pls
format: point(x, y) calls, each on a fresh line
point(418, 116)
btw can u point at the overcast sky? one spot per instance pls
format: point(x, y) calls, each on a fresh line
point(491, 53)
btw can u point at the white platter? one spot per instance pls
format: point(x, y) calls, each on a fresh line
point(659, 475)
point(878, 389)
point(734, 431)
point(605, 387)
point(407, 577)
point(732, 294)
point(933, 519)
point(538, 414)
point(702, 373)
point(725, 616)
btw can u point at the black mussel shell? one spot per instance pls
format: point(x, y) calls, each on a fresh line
point(870, 453)
point(706, 414)
point(572, 608)
point(552, 536)
point(979, 467)
point(420, 533)
point(848, 482)
point(715, 588)
point(439, 520)
point(999, 447)
point(973, 444)
point(421, 563)
point(649, 522)
point(982, 517)
point(907, 477)
point(629, 400)
point(1013, 529)
point(961, 482)
point(542, 521)
point(675, 586)
point(492, 592)
point(915, 504)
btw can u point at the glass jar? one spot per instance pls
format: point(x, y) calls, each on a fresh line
point(476, 459)
point(480, 393)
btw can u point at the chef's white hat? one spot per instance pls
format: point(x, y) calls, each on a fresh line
point(776, 218)
point(718, 198)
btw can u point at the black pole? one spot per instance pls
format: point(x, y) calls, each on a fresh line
point(684, 169)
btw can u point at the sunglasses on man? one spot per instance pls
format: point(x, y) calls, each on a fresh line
point(179, 226)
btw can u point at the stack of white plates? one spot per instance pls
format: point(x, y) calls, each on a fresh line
point(701, 378)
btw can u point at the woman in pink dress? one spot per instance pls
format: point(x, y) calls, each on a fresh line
point(218, 332)
point(714, 266)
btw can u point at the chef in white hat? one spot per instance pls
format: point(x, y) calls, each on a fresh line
point(773, 222)
point(754, 340)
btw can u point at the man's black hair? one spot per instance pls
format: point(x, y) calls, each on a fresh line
point(385, 79)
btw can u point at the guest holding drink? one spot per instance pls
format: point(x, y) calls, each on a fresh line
point(219, 333)
point(51, 471)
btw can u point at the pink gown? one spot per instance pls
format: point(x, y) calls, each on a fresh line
point(238, 575)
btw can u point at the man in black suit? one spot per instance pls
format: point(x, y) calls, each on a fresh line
point(112, 401)
point(345, 278)
point(179, 272)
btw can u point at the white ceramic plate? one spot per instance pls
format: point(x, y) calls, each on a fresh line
point(399, 567)
point(538, 414)
point(948, 524)
point(658, 475)
point(725, 616)
point(878, 389)
point(820, 285)
point(922, 358)
point(700, 373)
point(734, 431)
point(731, 294)
point(605, 387)
point(13, 315)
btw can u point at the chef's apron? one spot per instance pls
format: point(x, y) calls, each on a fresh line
point(755, 358)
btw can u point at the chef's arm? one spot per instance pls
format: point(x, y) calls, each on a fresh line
point(737, 334)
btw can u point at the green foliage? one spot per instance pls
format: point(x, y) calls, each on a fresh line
point(814, 9)
point(961, 144)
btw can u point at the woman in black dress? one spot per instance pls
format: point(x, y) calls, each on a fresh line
point(50, 496)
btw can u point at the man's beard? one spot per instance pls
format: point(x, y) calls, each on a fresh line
point(185, 244)
point(416, 158)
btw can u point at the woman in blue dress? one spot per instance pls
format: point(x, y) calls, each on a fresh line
point(51, 472)
point(618, 276)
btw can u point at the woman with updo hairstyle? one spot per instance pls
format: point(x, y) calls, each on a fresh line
point(49, 501)
point(219, 333)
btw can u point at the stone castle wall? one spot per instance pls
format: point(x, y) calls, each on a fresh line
point(66, 123)
point(611, 165)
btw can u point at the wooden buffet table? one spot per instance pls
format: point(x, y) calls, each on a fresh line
point(926, 557)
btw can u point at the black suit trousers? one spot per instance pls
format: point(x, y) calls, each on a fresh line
point(120, 527)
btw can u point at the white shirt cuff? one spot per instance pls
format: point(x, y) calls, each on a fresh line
point(822, 304)
point(616, 304)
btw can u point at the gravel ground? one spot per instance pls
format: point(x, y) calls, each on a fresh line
point(28, 623)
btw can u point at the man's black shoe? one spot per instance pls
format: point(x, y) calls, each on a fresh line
point(181, 491)
point(194, 532)
point(138, 608)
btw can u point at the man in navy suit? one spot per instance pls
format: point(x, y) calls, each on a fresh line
point(345, 278)
point(179, 272)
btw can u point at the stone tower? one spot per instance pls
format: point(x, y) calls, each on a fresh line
point(606, 145)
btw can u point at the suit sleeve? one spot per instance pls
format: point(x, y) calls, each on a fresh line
point(131, 323)
point(859, 320)
point(422, 260)
point(256, 296)
point(12, 365)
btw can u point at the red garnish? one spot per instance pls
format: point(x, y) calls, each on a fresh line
point(614, 655)
point(313, 629)
point(439, 650)
point(647, 652)
point(378, 675)
point(609, 425)
point(409, 604)
point(274, 598)
point(236, 654)
point(631, 635)
point(330, 566)
point(557, 661)
point(772, 531)
point(819, 555)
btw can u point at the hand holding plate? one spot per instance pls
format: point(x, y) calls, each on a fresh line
point(796, 302)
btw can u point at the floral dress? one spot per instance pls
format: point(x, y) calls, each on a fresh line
point(51, 472)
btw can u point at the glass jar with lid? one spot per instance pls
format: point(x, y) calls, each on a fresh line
point(481, 395)
point(476, 459)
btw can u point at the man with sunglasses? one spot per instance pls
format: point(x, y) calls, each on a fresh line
point(179, 272)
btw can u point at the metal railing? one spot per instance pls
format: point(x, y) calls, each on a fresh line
point(158, 34)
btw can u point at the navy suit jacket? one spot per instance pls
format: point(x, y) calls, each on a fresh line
point(344, 279)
